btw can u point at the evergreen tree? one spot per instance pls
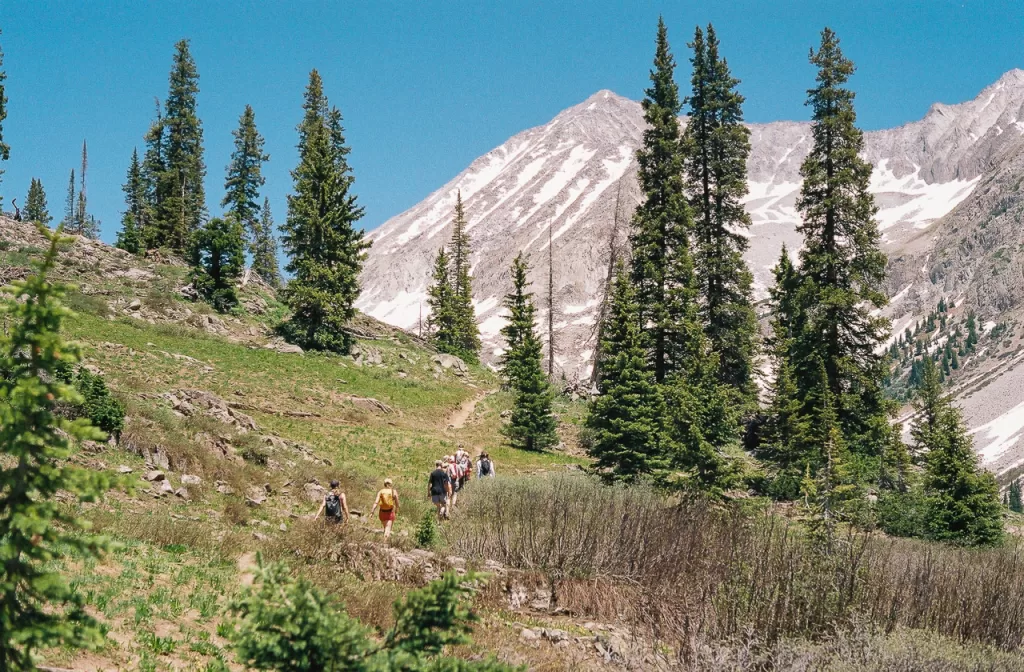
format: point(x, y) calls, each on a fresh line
point(467, 334)
point(180, 199)
point(245, 176)
point(35, 204)
point(282, 623)
point(441, 323)
point(69, 206)
point(716, 148)
point(325, 249)
point(962, 500)
point(130, 237)
point(532, 426)
point(220, 251)
point(38, 608)
point(1014, 498)
point(841, 265)
point(628, 415)
point(5, 149)
point(152, 169)
point(659, 236)
point(264, 251)
point(785, 444)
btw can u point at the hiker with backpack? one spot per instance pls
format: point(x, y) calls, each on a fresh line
point(452, 469)
point(387, 502)
point(439, 489)
point(465, 465)
point(335, 506)
point(484, 466)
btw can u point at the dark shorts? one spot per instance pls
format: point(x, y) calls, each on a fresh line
point(438, 499)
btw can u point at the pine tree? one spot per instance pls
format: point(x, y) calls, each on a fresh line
point(220, 251)
point(962, 500)
point(442, 320)
point(130, 237)
point(35, 204)
point(628, 415)
point(152, 169)
point(38, 608)
point(5, 149)
point(532, 426)
point(245, 176)
point(264, 251)
point(659, 235)
point(1014, 498)
point(325, 249)
point(180, 199)
point(841, 265)
point(716, 148)
point(69, 206)
point(466, 332)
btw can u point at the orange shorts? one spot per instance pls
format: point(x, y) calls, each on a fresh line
point(385, 516)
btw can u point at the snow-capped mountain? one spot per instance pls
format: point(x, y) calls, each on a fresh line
point(573, 182)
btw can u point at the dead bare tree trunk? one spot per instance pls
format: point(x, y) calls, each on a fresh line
point(551, 305)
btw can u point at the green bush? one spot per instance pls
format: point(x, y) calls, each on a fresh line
point(902, 514)
point(102, 409)
point(426, 532)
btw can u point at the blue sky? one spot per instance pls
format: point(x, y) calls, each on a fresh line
point(426, 87)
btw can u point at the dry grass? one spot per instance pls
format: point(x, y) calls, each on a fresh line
point(690, 574)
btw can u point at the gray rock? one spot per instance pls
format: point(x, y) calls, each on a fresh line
point(190, 479)
point(154, 476)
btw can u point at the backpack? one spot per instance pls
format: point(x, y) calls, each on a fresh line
point(485, 467)
point(387, 499)
point(333, 506)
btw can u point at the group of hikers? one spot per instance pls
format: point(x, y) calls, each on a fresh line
point(450, 475)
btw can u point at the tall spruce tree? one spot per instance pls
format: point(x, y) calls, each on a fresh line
point(133, 221)
point(1014, 500)
point(785, 440)
point(660, 229)
point(152, 169)
point(627, 418)
point(441, 322)
point(35, 204)
point(38, 607)
point(220, 253)
point(326, 251)
point(467, 334)
point(5, 149)
point(69, 206)
point(532, 425)
point(264, 250)
point(841, 265)
point(716, 148)
point(180, 199)
point(245, 176)
point(962, 499)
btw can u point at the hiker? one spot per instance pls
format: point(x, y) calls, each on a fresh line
point(465, 465)
point(335, 506)
point(484, 466)
point(387, 502)
point(439, 489)
point(452, 470)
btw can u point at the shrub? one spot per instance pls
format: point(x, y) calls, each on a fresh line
point(283, 623)
point(426, 531)
point(694, 573)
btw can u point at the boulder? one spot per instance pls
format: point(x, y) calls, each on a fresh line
point(314, 492)
point(124, 469)
point(452, 362)
point(182, 493)
point(190, 479)
point(165, 488)
point(154, 476)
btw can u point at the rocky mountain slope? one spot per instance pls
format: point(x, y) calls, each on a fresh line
point(573, 181)
point(950, 208)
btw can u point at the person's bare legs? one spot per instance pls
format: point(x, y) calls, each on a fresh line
point(387, 528)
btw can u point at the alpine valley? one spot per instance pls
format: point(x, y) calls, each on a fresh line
point(950, 207)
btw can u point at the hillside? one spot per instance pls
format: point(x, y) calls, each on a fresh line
point(232, 435)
